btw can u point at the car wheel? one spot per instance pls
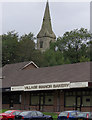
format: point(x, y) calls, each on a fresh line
point(51, 118)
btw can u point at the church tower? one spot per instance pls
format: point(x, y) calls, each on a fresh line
point(46, 35)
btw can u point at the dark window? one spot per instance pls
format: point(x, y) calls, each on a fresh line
point(6, 99)
point(11, 99)
point(88, 100)
point(15, 98)
point(41, 44)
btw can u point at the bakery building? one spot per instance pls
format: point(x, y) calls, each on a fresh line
point(58, 88)
point(25, 86)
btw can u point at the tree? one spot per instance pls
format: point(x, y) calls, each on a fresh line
point(53, 58)
point(9, 47)
point(20, 49)
point(72, 47)
point(73, 44)
point(26, 47)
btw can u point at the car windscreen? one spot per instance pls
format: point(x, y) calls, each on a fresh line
point(8, 111)
point(74, 113)
point(82, 115)
point(63, 114)
point(24, 113)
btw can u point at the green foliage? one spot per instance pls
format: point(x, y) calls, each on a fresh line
point(72, 47)
point(54, 58)
point(26, 47)
point(3, 110)
point(54, 115)
point(9, 47)
point(20, 49)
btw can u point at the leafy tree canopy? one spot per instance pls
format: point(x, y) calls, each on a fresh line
point(72, 47)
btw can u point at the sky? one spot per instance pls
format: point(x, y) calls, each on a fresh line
point(26, 17)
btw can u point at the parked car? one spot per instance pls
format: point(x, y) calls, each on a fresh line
point(9, 115)
point(68, 115)
point(84, 116)
point(32, 115)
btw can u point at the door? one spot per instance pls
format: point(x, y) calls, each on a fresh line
point(41, 102)
point(78, 101)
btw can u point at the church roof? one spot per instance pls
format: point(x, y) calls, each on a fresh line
point(46, 29)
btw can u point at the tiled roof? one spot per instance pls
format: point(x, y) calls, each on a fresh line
point(14, 76)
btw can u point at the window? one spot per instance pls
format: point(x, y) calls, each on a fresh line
point(11, 98)
point(33, 114)
point(68, 100)
point(86, 101)
point(39, 113)
point(16, 113)
point(41, 98)
point(41, 44)
point(25, 113)
point(63, 114)
point(48, 100)
point(34, 100)
point(15, 98)
point(9, 111)
point(6, 99)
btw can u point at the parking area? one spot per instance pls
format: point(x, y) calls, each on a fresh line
point(37, 115)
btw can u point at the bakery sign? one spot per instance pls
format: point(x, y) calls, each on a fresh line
point(43, 86)
point(46, 86)
point(50, 86)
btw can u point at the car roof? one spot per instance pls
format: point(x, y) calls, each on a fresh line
point(72, 111)
point(13, 110)
point(28, 111)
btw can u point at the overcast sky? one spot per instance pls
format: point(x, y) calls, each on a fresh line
point(25, 17)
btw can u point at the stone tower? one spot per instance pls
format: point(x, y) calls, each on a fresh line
point(46, 35)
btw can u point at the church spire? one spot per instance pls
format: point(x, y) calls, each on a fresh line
point(46, 29)
point(46, 35)
point(47, 12)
